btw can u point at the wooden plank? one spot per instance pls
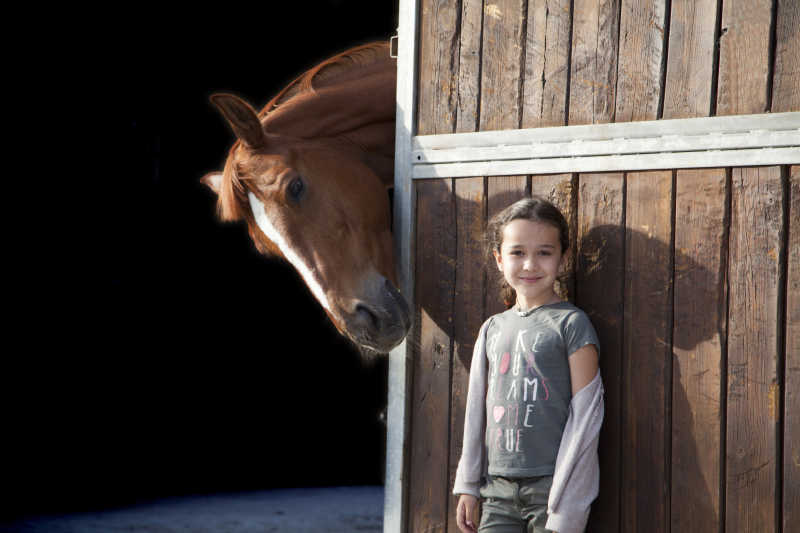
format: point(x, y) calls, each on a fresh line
point(470, 294)
point(547, 49)
point(437, 87)
point(599, 292)
point(786, 74)
point(647, 352)
point(601, 217)
point(502, 191)
point(641, 50)
point(699, 336)
point(690, 61)
point(430, 401)
point(744, 57)
point(469, 65)
point(753, 340)
point(593, 69)
point(791, 427)
point(562, 191)
point(503, 24)
point(470, 290)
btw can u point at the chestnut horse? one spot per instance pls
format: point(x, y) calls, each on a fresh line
point(309, 175)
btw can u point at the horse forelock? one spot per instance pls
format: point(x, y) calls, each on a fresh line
point(232, 198)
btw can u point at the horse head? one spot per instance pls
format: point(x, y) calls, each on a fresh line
point(318, 201)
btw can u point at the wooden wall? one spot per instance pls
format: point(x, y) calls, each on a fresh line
point(691, 277)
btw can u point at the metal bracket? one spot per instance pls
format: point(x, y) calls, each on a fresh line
point(393, 45)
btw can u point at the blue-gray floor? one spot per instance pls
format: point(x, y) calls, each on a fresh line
point(318, 510)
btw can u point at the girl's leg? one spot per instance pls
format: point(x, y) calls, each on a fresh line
point(500, 510)
point(500, 516)
point(534, 494)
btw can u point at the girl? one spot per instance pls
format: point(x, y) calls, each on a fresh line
point(535, 399)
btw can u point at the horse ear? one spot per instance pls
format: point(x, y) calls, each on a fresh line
point(213, 180)
point(242, 118)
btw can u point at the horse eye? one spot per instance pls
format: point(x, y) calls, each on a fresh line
point(296, 188)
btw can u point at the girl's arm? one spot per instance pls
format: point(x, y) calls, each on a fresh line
point(470, 467)
point(583, 367)
point(576, 479)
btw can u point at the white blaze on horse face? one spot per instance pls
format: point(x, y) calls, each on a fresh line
point(272, 233)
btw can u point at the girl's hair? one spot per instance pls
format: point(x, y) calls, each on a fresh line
point(535, 209)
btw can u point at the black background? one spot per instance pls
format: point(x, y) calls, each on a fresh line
point(151, 350)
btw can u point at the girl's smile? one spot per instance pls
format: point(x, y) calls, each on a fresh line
point(530, 258)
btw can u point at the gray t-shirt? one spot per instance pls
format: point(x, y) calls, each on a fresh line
point(529, 387)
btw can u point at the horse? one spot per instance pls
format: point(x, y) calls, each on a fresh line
point(310, 173)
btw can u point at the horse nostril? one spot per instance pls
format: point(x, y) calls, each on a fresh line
point(366, 314)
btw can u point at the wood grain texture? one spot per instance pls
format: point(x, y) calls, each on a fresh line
point(744, 57)
point(469, 65)
point(753, 342)
point(690, 61)
point(786, 73)
point(562, 191)
point(593, 69)
point(502, 191)
point(600, 283)
point(641, 50)
point(437, 86)
point(470, 290)
point(430, 455)
point(699, 336)
point(430, 401)
point(791, 423)
point(546, 63)
point(647, 353)
point(503, 24)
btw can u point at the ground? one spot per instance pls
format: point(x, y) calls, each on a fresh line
point(318, 510)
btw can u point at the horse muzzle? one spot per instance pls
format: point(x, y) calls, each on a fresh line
point(381, 322)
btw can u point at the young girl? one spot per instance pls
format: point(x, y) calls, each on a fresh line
point(535, 399)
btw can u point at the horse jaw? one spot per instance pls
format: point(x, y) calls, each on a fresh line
point(377, 320)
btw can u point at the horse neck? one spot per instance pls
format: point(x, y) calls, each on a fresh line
point(360, 112)
point(336, 109)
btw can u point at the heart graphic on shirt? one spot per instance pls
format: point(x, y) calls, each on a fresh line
point(499, 411)
point(504, 362)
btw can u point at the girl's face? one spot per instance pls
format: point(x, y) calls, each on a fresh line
point(530, 258)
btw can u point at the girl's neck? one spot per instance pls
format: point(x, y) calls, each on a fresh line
point(524, 306)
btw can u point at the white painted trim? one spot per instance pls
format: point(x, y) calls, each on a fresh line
point(613, 163)
point(397, 415)
point(616, 130)
point(742, 140)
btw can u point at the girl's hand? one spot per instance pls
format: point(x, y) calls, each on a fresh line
point(465, 513)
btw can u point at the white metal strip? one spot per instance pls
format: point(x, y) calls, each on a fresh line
point(580, 148)
point(403, 229)
point(620, 130)
point(742, 140)
point(612, 163)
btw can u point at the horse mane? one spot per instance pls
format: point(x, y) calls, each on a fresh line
point(348, 65)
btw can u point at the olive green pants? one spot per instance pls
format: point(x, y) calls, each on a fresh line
point(514, 505)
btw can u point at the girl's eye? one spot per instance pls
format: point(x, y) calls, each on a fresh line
point(296, 188)
point(544, 253)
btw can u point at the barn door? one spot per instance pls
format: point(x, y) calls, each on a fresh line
point(669, 134)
